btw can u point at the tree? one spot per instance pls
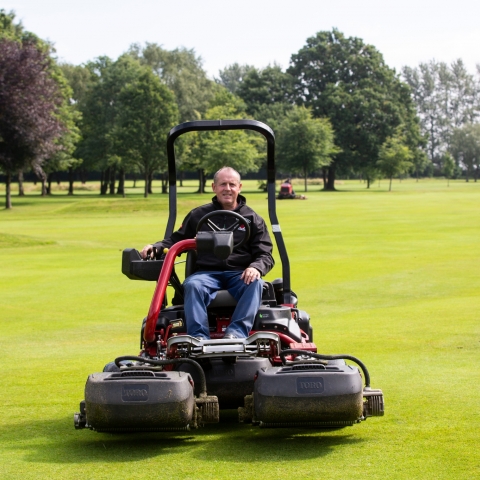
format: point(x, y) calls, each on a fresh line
point(182, 71)
point(394, 158)
point(424, 83)
point(30, 108)
point(267, 87)
point(79, 77)
point(14, 31)
point(448, 167)
point(62, 159)
point(348, 82)
point(304, 143)
point(147, 112)
point(446, 97)
point(465, 148)
point(65, 143)
point(239, 149)
point(232, 76)
point(100, 110)
point(371, 173)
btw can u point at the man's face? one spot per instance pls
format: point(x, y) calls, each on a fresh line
point(226, 188)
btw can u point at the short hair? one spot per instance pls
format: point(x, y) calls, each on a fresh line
point(215, 176)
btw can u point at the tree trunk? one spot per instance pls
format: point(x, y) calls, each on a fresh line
point(43, 180)
point(40, 174)
point(202, 181)
point(182, 174)
point(8, 196)
point(104, 181)
point(164, 182)
point(49, 183)
point(204, 184)
point(71, 179)
point(390, 188)
point(330, 185)
point(324, 177)
point(145, 191)
point(368, 183)
point(121, 183)
point(21, 190)
point(113, 174)
point(150, 182)
point(44, 187)
point(305, 174)
point(134, 180)
point(102, 177)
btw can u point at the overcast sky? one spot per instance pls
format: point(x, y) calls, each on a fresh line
point(255, 32)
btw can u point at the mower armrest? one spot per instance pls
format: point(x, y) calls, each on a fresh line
point(135, 268)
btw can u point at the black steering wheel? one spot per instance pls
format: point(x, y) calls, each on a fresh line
point(239, 221)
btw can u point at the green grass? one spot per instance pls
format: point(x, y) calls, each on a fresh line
point(393, 278)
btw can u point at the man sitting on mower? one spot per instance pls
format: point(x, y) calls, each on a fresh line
point(240, 273)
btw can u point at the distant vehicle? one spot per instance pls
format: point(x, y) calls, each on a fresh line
point(288, 193)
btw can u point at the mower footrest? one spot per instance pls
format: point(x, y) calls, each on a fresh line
point(258, 344)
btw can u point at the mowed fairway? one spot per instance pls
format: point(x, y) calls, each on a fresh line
point(392, 278)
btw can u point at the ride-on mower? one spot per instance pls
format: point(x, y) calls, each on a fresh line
point(288, 193)
point(275, 377)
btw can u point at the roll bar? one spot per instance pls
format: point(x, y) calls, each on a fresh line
point(210, 125)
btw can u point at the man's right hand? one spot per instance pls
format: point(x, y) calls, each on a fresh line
point(148, 252)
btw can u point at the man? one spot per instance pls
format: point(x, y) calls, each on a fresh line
point(240, 273)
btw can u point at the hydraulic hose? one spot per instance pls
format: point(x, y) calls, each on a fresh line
point(283, 353)
point(172, 361)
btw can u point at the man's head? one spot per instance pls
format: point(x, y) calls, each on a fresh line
point(227, 185)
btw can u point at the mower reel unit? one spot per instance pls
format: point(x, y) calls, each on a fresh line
point(275, 377)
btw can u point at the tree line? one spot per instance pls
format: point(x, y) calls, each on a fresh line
point(337, 110)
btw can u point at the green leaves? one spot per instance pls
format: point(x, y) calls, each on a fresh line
point(37, 124)
point(394, 157)
point(304, 143)
point(446, 97)
point(465, 147)
point(348, 81)
point(181, 70)
point(146, 114)
point(238, 149)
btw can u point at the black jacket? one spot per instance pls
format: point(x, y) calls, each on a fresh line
point(256, 252)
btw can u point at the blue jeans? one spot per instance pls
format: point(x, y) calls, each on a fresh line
point(201, 288)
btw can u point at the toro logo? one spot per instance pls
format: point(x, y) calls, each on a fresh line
point(241, 228)
point(135, 393)
point(310, 385)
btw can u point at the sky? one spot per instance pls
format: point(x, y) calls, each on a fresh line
point(255, 32)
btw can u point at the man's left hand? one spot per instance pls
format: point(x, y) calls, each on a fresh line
point(250, 274)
